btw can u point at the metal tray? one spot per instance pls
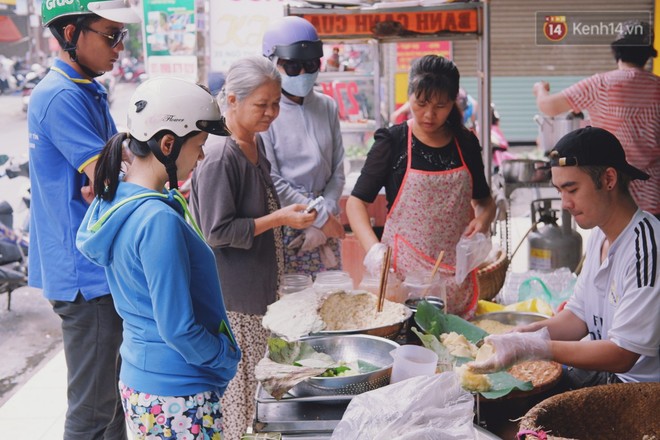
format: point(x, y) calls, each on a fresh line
point(310, 417)
point(511, 318)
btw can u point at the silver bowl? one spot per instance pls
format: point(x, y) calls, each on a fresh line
point(371, 349)
point(512, 318)
point(525, 171)
point(436, 302)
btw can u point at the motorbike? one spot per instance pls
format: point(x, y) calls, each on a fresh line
point(130, 70)
point(14, 242)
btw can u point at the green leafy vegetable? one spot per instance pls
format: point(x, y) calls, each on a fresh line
point(298, 353)
point(334, 372)
point(502, 383)
point(434, 322)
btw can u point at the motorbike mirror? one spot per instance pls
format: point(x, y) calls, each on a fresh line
point(3, 159)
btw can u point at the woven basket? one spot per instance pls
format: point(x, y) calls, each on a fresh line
point(491, 277)
point(616, 412)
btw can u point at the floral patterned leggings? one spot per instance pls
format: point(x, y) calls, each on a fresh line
point(149, 417)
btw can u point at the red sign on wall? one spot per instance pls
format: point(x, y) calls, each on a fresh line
point(395, 24)
point(345, 94)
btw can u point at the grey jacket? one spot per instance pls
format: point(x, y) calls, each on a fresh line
point(305, 148)
point(228, 192)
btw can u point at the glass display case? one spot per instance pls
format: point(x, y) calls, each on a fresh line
point(350, 75)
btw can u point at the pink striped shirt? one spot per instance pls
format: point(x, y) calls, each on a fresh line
point(626, 102)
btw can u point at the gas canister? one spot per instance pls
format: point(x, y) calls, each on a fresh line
point(551, 245)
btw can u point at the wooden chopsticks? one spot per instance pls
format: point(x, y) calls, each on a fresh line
point(383, 279)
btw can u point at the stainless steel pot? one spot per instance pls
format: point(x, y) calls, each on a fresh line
point(551, 129)
point(525, 171)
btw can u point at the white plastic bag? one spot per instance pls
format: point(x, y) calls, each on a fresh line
point(420, 408)
point(554, 286)
point(470, 253)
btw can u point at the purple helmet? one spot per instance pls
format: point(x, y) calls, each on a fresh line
point(292, 38)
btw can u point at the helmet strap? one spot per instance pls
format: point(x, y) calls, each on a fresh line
point(88, 71)
point(170, 160)
point(70, 47)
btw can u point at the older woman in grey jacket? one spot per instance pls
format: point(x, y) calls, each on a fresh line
point(236, 206)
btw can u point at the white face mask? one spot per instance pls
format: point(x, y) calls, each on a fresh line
point(299, 85)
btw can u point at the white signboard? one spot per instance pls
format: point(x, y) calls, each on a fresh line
point(237, 27)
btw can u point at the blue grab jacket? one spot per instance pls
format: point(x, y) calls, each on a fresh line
point(164, 282)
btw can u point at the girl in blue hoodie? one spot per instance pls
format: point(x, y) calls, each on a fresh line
point(178, 351)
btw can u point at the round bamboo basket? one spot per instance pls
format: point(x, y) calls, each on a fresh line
point(605, 412)
point(491, 277)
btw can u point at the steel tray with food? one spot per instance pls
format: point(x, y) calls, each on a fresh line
point(368, 355)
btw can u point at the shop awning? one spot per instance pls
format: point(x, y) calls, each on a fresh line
point(8, 30)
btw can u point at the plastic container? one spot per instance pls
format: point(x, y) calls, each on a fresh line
point(333, 280)
point(292, 283)
point(411, 361)
point(393, 291)
point(418, 285)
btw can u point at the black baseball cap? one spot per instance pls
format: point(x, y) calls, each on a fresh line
point(592, 146)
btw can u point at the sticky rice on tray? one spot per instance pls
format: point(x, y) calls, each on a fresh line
point(353, 311)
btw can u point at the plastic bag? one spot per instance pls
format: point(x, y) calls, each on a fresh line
point(470, 253)
point(420, 408)
point(554, 287)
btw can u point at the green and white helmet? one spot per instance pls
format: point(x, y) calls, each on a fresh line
point(120, 11)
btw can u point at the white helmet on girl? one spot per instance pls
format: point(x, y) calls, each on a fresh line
point(174, 104)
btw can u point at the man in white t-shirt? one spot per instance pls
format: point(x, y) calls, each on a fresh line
point(617, 296)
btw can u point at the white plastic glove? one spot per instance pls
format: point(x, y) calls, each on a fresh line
point(511, 348)
point(311, 238)
point(373, 261)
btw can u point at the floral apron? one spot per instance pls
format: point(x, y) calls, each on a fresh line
point(429, 214)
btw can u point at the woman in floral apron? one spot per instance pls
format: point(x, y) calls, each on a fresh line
point(434, 181)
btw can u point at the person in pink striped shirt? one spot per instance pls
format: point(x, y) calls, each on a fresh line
point(625, 102)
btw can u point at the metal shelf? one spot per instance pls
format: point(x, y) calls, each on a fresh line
point(509, 188)
point(292, 415)
point(388, 23)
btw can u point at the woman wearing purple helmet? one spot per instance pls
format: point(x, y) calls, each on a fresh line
point(304, 146)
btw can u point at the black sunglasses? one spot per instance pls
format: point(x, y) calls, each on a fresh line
point(115, 38)
point(294, 68)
